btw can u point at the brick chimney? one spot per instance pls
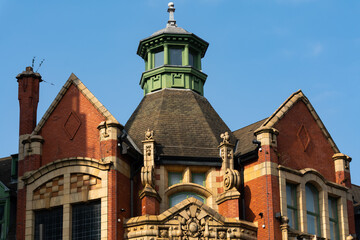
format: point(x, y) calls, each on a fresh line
point(28, 99)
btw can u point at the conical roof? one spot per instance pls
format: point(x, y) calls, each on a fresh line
point(184, 124)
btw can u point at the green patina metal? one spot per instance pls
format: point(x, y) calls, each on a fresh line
point(187, 75)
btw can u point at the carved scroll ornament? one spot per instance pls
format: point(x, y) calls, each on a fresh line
point(231, 179)
point(148, 176)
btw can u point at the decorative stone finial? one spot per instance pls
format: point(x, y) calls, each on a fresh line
point(225, 136)
point(149, 135)
point(171, 10)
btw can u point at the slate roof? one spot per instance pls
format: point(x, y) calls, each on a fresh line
point(171, 30)
point(245, 136)
point(5, 174)
point(184, 124)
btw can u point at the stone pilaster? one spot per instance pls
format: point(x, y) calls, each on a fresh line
point(226, 152)
point(267, 136)
point(342, 169)
point(150, 198)
point(229, 200)
point(284, 228)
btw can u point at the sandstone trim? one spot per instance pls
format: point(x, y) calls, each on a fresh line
point(73, 79)
point(30, 177)
point(288, 104)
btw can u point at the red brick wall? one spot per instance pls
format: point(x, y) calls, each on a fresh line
point(137, 201)
point(20, 214)
point(57, 143)
point(318, 154)
point(257, 201)
point(28, 99)
point(150, 205)
point(230, 208)
point(118, 198)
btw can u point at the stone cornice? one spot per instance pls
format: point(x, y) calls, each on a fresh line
point(228, 195)
point(154, 41)
point(172, 69)
point(305, 171)
point(149, 191)
point(188, 187)
point(30, 177)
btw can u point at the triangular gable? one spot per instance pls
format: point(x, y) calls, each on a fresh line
point(73, 79)
point(287, 105)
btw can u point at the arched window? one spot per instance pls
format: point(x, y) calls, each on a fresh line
point(178, 197)
point(312, 210)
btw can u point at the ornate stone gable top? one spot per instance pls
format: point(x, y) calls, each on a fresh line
point(194, 208)
point(190, 219)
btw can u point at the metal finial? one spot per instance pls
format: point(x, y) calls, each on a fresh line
point(171, 10)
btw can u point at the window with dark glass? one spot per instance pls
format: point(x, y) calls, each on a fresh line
point(2, 220)
point(312, 210)
point(177, 198)
point(198, 178)
point(292, 210)
point(158, 57)
point(333, 219)
point(174, 178)
point(192, 58)
point(49, 224)
point(175, 56)
point(86, 221)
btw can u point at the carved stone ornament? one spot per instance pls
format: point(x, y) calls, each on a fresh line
point(226, 137)
point(148, 150)
point(189, 220)
point(231, 179)
point(148, 176)
point(149, 135)
point(229, 154)
point(193, 223)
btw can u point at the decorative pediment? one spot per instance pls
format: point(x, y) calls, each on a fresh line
point(191, 219)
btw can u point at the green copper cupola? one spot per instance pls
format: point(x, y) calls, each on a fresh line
point(172, 58)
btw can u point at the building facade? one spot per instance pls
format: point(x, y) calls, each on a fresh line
point(175, 170)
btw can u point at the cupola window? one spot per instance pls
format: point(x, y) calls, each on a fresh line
point(158, 57)
point(175, 56)
point(193, 59)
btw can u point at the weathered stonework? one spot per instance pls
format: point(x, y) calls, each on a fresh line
point(189, 219)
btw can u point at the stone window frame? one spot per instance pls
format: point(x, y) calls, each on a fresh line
point(325, 189)
point(68, 198)
point(187, 185)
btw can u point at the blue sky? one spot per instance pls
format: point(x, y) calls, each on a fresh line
point(261, 51)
